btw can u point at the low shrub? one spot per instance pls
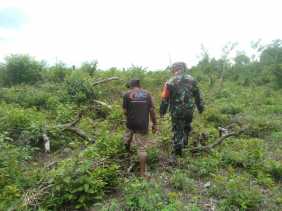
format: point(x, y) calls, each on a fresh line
point(244, 153)
point(22, 125)
point(204, 166)
point(215, 117)
point(29, 97)
point(142, 195)
point(274, 168)
point(153, 156)
point(236, 193)
point(181, 181)
point(13, 179)
point(82, 180)
point(231, 109)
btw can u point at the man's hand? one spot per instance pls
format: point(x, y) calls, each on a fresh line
point(155, 128)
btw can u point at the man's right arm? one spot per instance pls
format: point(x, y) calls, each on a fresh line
point(164, 100)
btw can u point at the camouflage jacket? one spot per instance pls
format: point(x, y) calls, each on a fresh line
point(174, 89)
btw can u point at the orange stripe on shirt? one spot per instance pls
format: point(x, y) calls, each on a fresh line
point(165, 92)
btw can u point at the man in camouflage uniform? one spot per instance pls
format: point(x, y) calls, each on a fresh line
point(180, 94)
point(138, 106)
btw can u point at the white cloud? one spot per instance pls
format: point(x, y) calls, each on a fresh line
point(140, 32)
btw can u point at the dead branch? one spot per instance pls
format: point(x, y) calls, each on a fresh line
point(217, 142)
point(74, 122)
point(78, 132)
point(46, 142)
point(32, 197)
point(103, 104)
point(51, 164)
point(71, 127)
point(105, 80)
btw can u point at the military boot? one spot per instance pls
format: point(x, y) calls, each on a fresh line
point(185, 141)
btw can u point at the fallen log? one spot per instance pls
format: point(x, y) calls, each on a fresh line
point(217, 142)
point(105, 80)
point(46, 143)
point(78, 132)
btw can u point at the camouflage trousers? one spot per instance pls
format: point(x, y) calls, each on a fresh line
point(181, 128)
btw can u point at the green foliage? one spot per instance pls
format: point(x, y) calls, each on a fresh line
point(113, 205)
point(277, 71)
point(28, 96)
point(271, 58)
point(12, 165)
point(79, 183)
point(236, 192)
point(231, 109)
point(147, 196)
point(21, 69)
point(244, 172)
point(277, 136)
point(214, 116)
point(261, 126)
point(58, 73)
point(272, 54)
point(180, 181)
point(22, 125)
point(142, 195)
point(153, 156)
point(204, 166)
point(83, 179)
point(89, 67)
point(274, 168)
point(243, 153)
point(79, 89)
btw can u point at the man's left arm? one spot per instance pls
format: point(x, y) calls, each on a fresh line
point(153, 115)
point(198, 97)
point(164, 100)
point(125, 104)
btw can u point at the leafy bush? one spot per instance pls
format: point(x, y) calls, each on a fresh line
point(236, 192)
point(180, 181)
point(276, 136)
point(22, 125)
point(58, 73)
point(81, 182)
point(204, 166)
point(244, 153)
point(28, 96)
point(12, 178)
point(83, 179)
point(153, 156)
point(21, 69)
point(231, 109)
point(142, 195)
point(274, 168)
point(215, 117)
point(79, 89)
point(261, 126)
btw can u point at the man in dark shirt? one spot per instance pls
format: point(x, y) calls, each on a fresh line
point(138, 106)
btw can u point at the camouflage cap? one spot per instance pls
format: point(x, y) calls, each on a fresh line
point(178, 66)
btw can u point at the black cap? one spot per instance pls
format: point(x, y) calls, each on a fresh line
point(133, 83)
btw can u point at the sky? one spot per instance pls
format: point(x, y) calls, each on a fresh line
point(122, 33)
